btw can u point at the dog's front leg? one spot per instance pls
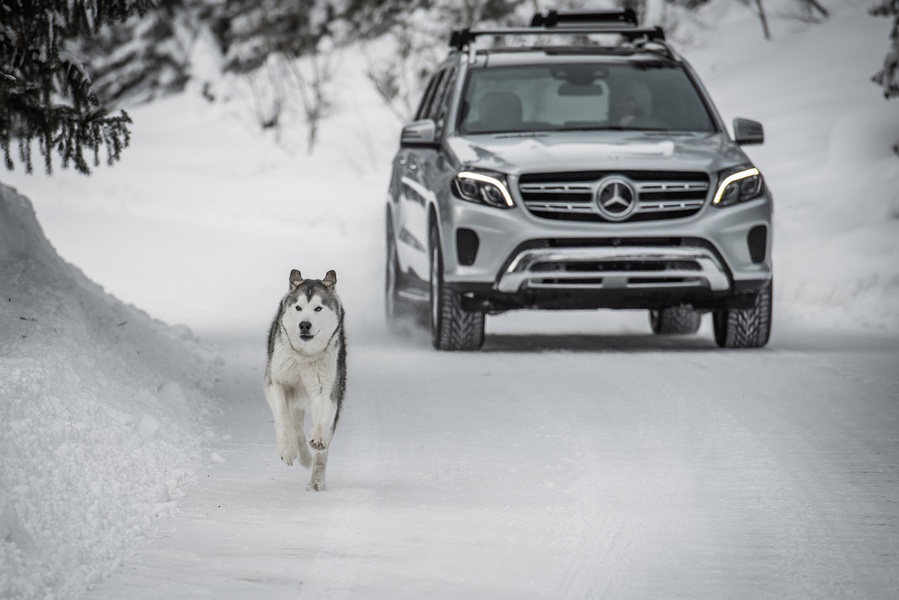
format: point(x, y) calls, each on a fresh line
point(319, 462)
point(285, 432)
point(324, 411)
point(299, 418)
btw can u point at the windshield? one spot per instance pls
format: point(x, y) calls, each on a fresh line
point(654, 96)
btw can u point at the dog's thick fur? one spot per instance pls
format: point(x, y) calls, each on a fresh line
point(306, 371)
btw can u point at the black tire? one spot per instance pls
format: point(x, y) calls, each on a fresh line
point(745, 327)
point(675, 320)
point(452, 327)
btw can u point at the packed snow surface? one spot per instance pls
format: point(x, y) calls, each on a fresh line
point(577, 456)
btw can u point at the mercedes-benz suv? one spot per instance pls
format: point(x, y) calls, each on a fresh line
point(576, 176)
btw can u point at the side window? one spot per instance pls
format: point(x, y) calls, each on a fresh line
point(426, 100)
point(440, 107)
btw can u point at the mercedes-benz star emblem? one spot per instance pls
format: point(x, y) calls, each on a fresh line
point(615, 199)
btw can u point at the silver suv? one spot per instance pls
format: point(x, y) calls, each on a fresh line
point(576, 177)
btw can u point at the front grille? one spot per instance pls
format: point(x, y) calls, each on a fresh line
point(571, 196)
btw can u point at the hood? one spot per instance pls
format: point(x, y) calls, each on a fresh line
point(515, 154)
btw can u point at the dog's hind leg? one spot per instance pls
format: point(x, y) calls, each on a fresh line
point(299, 417)
point(285, 433)
point(317, 482)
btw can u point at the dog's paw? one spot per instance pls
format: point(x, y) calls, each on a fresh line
point(316, 486)
point(288, 449)
point(317, 443)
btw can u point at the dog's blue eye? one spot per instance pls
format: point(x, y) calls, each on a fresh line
point(318, 309)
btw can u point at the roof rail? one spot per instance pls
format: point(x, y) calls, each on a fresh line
point(553, 18)
point(461, 38)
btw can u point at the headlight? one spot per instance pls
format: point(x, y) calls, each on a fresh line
point(483, 189)
point(738, 185)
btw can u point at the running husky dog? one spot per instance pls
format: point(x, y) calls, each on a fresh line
point(306, 371)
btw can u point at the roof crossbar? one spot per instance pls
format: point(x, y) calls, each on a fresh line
point(585, 18)
point(461, 38)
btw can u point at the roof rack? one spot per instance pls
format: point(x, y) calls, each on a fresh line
point(461, 38)
point(552, 18)
point(614, 22)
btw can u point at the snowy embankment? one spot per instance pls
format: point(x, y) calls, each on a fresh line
point(827, 157)
point(102, 418)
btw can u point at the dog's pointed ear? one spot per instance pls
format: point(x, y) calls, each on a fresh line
point(295, 279)
point(330, 279)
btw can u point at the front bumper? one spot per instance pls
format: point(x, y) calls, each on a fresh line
point(525, 261)
point(613, 268)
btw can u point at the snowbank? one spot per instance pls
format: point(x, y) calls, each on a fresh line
point(827, 157)
point(102, 418)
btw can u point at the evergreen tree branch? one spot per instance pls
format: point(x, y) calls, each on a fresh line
point(46, 94)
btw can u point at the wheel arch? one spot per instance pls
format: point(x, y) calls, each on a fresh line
point(434, 223)
point(390, 226)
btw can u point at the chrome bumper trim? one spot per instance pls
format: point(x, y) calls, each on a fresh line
point(706, 270)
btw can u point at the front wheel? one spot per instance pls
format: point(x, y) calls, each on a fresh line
point(745, 327)
point(452, 327)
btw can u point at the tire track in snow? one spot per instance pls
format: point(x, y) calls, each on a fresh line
point(632, 491)
point(361, 457)
point(643, 473)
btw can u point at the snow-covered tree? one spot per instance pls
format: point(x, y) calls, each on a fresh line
point(46, 94)
point(266, 40)
point(145, 58)
point(811, 11)
point(888, 77)
point(418, 37)
point(758, 9)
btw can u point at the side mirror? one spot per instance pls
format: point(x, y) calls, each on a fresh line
point(419, 133)
point(748, 132)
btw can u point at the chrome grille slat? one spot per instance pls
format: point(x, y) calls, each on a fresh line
point(670, 205)
point(562, 207)
point(556, 187)
point(673, 187)
point(682, 195)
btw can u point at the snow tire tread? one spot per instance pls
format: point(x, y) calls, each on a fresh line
point(675, 320)
point(459, 329)
point(456, 328)
point(747, 327)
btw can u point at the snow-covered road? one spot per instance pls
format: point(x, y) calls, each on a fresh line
point(615, 466)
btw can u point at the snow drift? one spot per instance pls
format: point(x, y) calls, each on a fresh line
point(102, 417)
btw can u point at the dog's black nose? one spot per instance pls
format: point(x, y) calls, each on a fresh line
point(305, 327)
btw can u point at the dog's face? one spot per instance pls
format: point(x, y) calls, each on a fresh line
point(311, 312)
